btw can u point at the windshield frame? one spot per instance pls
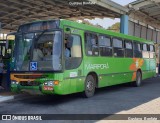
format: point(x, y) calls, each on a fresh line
point(42, 32)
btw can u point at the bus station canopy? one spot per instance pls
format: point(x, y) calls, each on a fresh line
point(16, 12)
point(147, 11)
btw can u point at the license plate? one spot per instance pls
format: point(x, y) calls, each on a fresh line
point(49, 88)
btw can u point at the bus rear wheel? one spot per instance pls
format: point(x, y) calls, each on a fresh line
point(89, 86)
point(138, 81)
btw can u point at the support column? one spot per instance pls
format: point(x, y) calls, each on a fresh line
point(0, 29)
point(124, 24)
point(158, 59)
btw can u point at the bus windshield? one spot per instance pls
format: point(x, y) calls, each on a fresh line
point(38, 51)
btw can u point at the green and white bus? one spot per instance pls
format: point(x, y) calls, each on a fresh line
point(97, 58)
point(6, 52)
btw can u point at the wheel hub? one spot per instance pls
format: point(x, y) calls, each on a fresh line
point(89, 85)
point(138, 79)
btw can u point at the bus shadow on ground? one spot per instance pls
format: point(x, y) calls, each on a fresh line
point(108, 100)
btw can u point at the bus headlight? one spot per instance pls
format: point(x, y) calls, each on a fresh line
point(51, 83)
point(14, 82)
point(45, 83)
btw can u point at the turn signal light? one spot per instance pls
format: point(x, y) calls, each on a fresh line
point(56, 82)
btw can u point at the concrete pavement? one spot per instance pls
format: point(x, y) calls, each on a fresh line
point(121, 99)
point(7, 95)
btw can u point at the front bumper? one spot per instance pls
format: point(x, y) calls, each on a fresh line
point(34, 90)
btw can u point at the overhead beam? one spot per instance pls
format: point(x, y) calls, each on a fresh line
point(137, 5)
point(111, 6)
point(144, 18)
point(154, 13)
point(146, 11)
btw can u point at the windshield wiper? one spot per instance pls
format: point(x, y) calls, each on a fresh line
point(36, 39)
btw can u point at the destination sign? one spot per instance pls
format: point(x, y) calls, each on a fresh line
point(39, 26)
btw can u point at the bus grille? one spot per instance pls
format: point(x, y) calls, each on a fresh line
point(30, 76)
point(27, 83)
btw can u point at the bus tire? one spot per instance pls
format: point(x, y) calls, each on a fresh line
point(138, 81)
point(90, 86)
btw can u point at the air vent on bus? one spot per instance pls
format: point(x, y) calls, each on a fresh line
point(29, 83)
point(30, 76)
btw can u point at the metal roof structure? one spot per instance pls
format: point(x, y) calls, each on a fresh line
point(146, 11)
point(16, 12)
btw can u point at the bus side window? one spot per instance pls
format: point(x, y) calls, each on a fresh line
point(91, 44)
point(3, 50)
point(152, 50)
point(128, 49)
point(76, 47)
point(145, 53)
point(137, 50)
point(0, 50)
point(144, 47)
point(118, 47)
point(76, 54)
point(67, 45)
point(105, 45)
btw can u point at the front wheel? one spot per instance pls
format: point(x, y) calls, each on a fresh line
point(89, 86)
point(138, 81)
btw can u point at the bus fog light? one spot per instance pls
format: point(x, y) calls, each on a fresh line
point(13, 82)
point(17, 83)
point(45, 83)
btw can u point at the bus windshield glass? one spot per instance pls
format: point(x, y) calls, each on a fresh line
point(38, 51)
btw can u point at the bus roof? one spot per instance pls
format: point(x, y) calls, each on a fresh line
point(102, 31)
point(97, 30)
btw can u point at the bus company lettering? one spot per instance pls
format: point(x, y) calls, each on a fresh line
point(97, 66)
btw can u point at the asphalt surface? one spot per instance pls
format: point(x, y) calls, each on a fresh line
point(109, 100)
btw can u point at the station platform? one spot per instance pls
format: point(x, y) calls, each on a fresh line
point(5, 93)
point(5, 96)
